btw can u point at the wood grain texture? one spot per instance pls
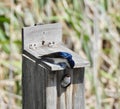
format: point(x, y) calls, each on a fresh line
point(69, 91)
point(42, 87)
point(60, 91)
point(71, 97)
point(28, 66)
point(51, 92)
point(78, 89)
point(33, 84)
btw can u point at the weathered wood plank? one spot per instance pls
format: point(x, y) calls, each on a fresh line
point(62, 101)
point(51, 91)
point(28, 66)
point(78, 89)
point(60, 91)
point(40, 87)
point(69, 91)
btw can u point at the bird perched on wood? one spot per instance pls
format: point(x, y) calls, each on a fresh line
point(63, 59)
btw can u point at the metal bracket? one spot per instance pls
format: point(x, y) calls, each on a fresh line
point(41, 35)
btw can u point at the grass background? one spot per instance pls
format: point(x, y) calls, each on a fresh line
point(90, 27)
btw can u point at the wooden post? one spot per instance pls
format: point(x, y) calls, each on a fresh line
point(41, 81)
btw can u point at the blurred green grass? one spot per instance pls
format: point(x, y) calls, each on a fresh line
point(92, 27)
